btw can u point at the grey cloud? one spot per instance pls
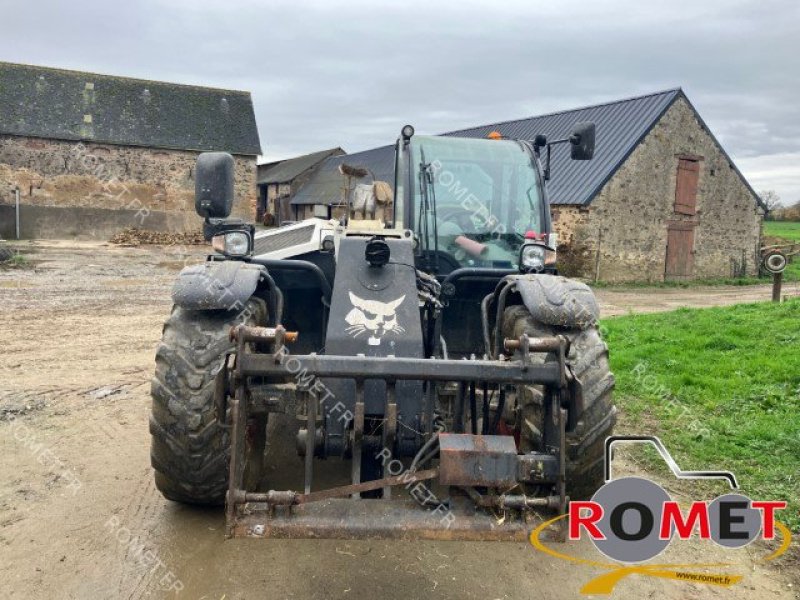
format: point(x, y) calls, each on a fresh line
point(326, 74)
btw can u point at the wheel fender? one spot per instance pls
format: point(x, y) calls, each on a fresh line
point(555, 300)
point(216, 285)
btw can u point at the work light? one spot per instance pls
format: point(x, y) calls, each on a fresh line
point(232, 243)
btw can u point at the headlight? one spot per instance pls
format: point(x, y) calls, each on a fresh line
point(536, 258)
point(532, 257)
point(233, 243)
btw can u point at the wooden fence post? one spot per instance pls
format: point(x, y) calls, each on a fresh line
point(777, 284)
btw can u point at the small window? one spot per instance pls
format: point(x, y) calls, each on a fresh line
point(686, 186)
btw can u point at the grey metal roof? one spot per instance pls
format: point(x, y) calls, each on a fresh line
point(73, 105)
point(284, 171)
point(621, 125)
point(325, 185)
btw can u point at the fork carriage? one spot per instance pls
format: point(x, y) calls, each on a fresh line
point(480, 474)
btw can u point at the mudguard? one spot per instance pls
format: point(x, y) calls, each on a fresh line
point(216, 285)
point(559, 301)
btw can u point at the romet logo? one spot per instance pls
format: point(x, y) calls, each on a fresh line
point(632, 520)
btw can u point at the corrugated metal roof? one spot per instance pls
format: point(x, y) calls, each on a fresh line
point(73, 105)
point(325, 185)
point(284, 171)
point(621, 125)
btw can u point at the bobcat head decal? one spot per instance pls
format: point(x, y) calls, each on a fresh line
point(373, 318)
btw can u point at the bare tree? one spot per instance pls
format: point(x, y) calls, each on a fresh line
point(770, 200)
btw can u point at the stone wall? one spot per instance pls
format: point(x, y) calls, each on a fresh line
point(576, 233)
point(104, 176)
point(628, 218)
point(571, 221)
point(86, 223)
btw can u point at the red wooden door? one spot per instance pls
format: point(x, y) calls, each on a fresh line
point(686, 186)
point(680, 246)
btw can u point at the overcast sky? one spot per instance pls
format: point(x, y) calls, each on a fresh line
point(327, 74)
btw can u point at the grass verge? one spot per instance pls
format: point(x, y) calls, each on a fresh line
point(721, 387)
point(787, 230)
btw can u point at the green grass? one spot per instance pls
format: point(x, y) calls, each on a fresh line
point(788, 230)
point(721, 387)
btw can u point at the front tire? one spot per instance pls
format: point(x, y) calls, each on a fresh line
point(190, 449)
point(588, 358)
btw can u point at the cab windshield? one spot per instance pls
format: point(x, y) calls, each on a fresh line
point(474, 199)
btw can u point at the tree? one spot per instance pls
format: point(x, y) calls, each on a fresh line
point(771, 200)
point(790, 213)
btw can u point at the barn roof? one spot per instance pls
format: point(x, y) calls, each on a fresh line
point(325, 185)
point(621, 126)
point(73, 105)
point(284, 171)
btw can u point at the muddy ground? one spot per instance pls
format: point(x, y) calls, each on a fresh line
point(79, 514)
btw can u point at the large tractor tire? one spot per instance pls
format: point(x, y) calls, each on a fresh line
point(190, 449)
point(588, 358)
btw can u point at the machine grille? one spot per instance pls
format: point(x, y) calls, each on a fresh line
point(280, 240)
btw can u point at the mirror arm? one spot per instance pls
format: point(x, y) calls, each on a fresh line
point(546, 170)
point(547, 164)
point(547, 159)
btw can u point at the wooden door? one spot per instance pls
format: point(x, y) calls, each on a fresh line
point(686, 186)
point(680, 247)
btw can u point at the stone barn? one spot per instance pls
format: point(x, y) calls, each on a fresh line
point(87, 155)
point(278, 180)
point(328, 188)
point(661, 200)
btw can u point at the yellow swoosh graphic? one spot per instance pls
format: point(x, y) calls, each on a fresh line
point(605, 583)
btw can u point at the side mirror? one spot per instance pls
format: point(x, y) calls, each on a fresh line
point(213, 188)
point(581, 141)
